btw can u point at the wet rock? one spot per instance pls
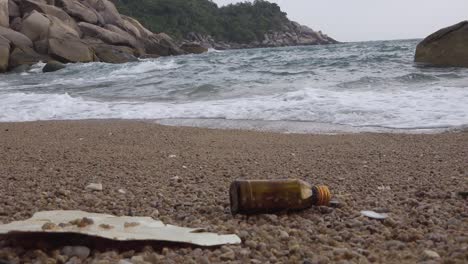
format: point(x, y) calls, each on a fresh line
point(70, 50)
point(193, 48)
point(114, 54)
point(53, 66)
point(4, 54)
point(445, 47)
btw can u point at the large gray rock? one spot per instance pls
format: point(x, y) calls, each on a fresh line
point(35, 26)
point(4, 14)
point(4, 54)
point(446, 47)
point(105, 35)
point(30, 5)
point(114, 54)
point(59, 29)
point(79, 11)
point(194, 48)
point(25, 56)
point(122, 33)
point(162, 45)
point(131, 24)
point(53, 66)
point(107, 10)
point(13, 9)
point(16, 38)
point(70, 49)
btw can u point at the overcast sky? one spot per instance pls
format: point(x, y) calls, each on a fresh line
point(359, 20)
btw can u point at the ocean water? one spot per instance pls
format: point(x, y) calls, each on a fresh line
point(367, 86)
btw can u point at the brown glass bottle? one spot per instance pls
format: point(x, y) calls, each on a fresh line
point(270, 196)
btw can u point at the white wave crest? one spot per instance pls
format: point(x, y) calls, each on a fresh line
point(430, 108)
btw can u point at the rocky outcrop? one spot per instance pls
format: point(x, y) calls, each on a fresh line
point(4, 53)
point(4, 14)
point(74, 31)
point(114, 54)
point(293, 34)
point(446, 47)
point(194, 48)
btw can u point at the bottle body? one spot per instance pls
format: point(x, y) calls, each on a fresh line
point(269, 196)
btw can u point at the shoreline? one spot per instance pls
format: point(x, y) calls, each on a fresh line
point(267, 126)
point(181, 176)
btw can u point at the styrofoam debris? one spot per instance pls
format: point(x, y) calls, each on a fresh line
point(374, 215)
point(123, 228)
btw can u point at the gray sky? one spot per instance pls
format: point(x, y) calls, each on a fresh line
point(356, 20)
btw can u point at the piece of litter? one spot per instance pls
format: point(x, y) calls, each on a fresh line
point(94, 187)
point(146, 230)
point(172, 156)
point(384, 188)
point(122, 191)
point(374, 215)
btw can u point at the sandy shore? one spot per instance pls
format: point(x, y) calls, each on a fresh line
point(46, 166)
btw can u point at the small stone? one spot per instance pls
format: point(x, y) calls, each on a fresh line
point(76, 251)
point(155, 214)
point(49, 226)
point(172, 156)
point(251, 244)
point(431, 254)
point(244, 252)
point(228, 256)
point(122, 191)
point(283, 235)
point(176, 179)
point(94, 187)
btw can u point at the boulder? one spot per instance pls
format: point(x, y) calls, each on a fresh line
point(161, 44)
point(79, 11)
point(114, 54)
point(194, 48)
point(123, 33)
point(35, 26)
point(25, 56)
point(107, 10)
point(59, 29)
point(13, 9)
point(53, 66)
point(4, 54)
point(446, 47)
point(70, 49)
point(16, 23)
point(105, 35)
point(4, 16)
point(131, 24)
point(29, 6)
point(16, 38)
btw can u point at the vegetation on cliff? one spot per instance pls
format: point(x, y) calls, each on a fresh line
point(242, 22)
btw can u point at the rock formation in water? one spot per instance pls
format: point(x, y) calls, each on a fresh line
point(293, 34)
point(446, 47)
point(75, 31)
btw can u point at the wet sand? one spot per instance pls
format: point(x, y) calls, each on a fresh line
point(181, 176)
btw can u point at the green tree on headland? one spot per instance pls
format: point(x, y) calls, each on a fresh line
point(242, 22)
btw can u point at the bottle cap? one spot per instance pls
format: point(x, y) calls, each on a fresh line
point(323, 195)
